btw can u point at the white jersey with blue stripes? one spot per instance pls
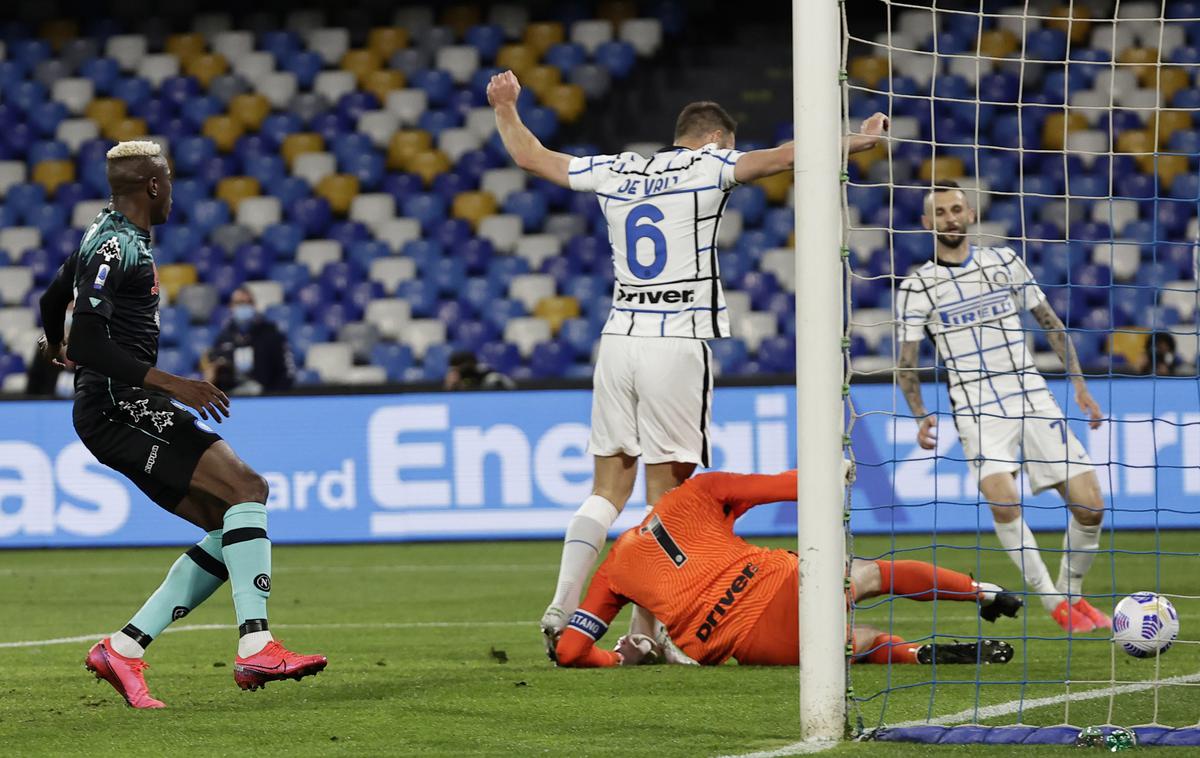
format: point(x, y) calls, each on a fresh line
point(972, 312)
point(662, 214)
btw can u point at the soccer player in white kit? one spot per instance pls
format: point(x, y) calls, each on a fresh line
point(969, 301)
point(652, 396)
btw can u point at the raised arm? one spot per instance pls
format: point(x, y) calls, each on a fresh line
point(909, 379)
point(1064, 348)
point(759, 163)
point(526, 150)
point(741, 492)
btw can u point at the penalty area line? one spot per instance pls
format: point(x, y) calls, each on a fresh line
point(231, 627)
point(976, 715)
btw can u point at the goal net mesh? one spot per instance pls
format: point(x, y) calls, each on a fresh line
point(1072, 129)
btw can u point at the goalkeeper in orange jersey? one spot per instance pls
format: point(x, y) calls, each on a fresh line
point(721, 597)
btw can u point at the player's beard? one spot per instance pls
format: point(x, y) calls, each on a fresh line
point(953, 240)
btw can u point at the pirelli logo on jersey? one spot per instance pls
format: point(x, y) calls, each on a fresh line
point(627, 296)
point(977, 310)
point(725, 602)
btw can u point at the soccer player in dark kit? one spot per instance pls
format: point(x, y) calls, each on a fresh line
point(134, 418)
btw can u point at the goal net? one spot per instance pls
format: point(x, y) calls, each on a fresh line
point(1071, 129)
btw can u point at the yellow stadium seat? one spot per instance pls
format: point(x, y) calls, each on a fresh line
point(473, 206)
point(1075, 21)
point(541, 79)
point(868, 70)
point(1056, 127)
point(543, 35)
point(105, 111)
point(340, 190)
point(300, 143)
point(1139, 143)
point(998, 43)
point(1143, 61)
point(617, 11)
point(1171, 166)
point(250, 109)
point(173, 277)
point(1129, 344)
point(234, 189)
point(567, 100)
point(556, 310)
point(519, 58)
point(185, 46)
point(428, 165)
point(380, 83)
point(460, 18)
point(223, 130)
point(943, 167)
point(776, 186)
point(361, 62)
point(59, 32)
point(125, 129)
point(1170, 122)
point(386, 40)
point(1170, 80)
point(51, 174)
point(406, 143)
point(206, 67)
point(865, 158)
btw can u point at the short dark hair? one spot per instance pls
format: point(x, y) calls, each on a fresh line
point(944, 185)
point(701, 118)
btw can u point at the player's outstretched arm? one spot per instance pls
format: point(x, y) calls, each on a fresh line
point(1064, 348)
point(759, 163)
point(526, 150)
point(909, 379)
point(741, 492)
point(53, 305)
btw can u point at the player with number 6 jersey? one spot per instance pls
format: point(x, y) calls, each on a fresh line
point(652, 396)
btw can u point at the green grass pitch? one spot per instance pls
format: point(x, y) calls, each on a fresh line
point(433, 650)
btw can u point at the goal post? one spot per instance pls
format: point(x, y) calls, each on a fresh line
point(816, 94)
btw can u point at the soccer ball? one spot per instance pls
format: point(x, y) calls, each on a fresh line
point(1145, 624)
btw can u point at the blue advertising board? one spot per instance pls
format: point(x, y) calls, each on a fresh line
point(510, 465)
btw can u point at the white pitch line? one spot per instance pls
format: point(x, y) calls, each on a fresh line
point(230, 627)
point(973, 715)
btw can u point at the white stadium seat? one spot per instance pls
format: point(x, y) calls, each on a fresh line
point(782, 263)
point(530, 289)
point(872, 324)
point(644, 34)
point(408, 105)
point(278, 87)
point(456, 142)
point(502, 230)
point(158, 67)
point(363, 375)
point(15, 383)
point(316, 254)
point(73, 92)
point(253, 66)
point(199, 300)
point(333, 84)
point(389, 272)
point(233, 44)
point(564, 226)
point(1116, 213)
point(1122, 256)
point(17, 239)
point(481, 121)
point(329, 359)
point(1088, 144)
point(738, 304)
point(85, 212)
point(754, 327)
point(460, 60)
point(11, 172)
point(313, 167)
point(15, 283)
point(15, 321)
point(398, 231)
point(526, 332)
point(265, 293)
point(331, 43)
point(423, 333)
point(373, 208)
point(500, 182)
point(257, 213)
point(591, 34)
point(537, 248)
point(730, 229)
point(73, 132)
point(126, 49)
point(1180, 295)
point(379, 126)
point(390, 316)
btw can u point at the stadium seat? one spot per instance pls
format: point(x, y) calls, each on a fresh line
point(15, 282)
point(313, 167)
point(300, 143)
point(372, 209)
point(53, 174)
point(644, 34)
point(421, 334)
point(399, 231)
point(501, 230)
point(267, 294)
point(339, 189)
point(206, 67)
point(279, 87)
point(537, 248)
point(384, 41)
point(330, 360)
point(407, 105)
point(74, 132)
point(557, 310)
point(391, 271)
point(74, 93)
point(460, 61)
point(254, 66)
point(517, 58)
point(157, 68)
point(530, 289)
point(378, 126)
point(473, 207)
point(526, 332)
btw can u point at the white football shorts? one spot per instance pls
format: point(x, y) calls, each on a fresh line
point(652, 398)
point(1041, 441)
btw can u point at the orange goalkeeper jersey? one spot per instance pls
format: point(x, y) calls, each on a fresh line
point(684, 564)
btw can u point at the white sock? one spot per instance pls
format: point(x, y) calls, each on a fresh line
point(585, 539)
point(1018, 540)
point(249, 644)
point(1080, 543)
point(125, 645)
point(642, 621)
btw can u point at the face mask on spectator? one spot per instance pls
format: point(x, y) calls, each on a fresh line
point(242, 313)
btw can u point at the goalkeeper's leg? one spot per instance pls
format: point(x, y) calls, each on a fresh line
point(921, 581)
point(1081, 542)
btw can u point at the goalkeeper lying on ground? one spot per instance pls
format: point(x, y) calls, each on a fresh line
point(721, 597)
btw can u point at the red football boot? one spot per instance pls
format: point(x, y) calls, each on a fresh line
point(1101, 619)
point(124, 674)
point(1071, 618)
point(273, 663)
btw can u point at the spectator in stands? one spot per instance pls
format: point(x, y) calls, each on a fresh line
point(45, 378)
point(250, 356)
point(1160, 358)
point(465, 372)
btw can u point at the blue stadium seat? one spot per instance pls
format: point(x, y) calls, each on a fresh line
point(473, 335)
point(751, 201)
point(436, 362)
point(427, 208)
point(437, 84)
point(437, 121)
point(287, 316)
point(199, 338)
point(543, 122)
point(103, 73)
point(778, 354)
point(501, 356)
point(280, 43)
point(302, 337)
point(549, 360)
point(566, 57)
point(305, 65)
point(476, 253)
point(499, 312)
point(487, 39)
point(422, 296)
point(730, 355)
point(618, 57)
point(179, 361)
point(530, 206)
point(478, 292)
point(577, 334)
point(394, 358)
point(452, 233)
point(449, 274)
point(424, 252)
point(312, 214)
point(360, 295)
